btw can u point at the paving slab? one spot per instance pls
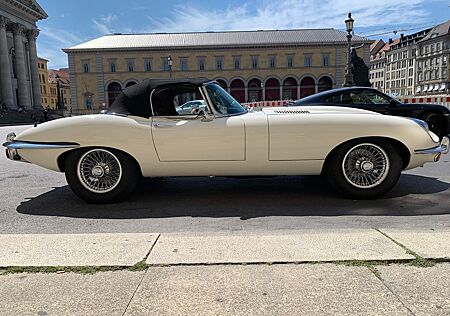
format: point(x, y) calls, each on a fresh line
point(426, 291)
point(74, 249)
point(277, 247)
point(287, 289)
point(105, 293)
point(431, 244)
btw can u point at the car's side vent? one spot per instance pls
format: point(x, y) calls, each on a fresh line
point(292, 111)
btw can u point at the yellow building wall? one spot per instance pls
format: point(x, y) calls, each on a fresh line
point(88, 82)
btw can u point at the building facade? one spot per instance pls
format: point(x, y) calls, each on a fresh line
point(60, 76)
point(19, 72)
point(49, 79)
point(43, 81)
point(252, 65)
point(378, 52)
point(433, 67)
point(401, 64)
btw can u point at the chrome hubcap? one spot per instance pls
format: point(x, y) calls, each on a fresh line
point(365, 166)
point(99, 170)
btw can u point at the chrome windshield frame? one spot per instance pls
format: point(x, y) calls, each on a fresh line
point(211, 105)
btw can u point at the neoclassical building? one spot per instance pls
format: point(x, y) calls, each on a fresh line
point(49, 79)
point(19, 74)
point(251, 65)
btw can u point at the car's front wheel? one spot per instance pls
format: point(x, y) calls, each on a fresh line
point(101, 175)
point(364, 169)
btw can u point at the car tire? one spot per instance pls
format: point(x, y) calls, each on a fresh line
point(364, 169)
point(101, 175)
point(436, 123)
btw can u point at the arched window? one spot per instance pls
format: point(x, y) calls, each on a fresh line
point(222, 83)
point(114, 90)
point(307, 87)
point(254, 90)
point(237, 90)
point(290, 89)
point(325, 83)
point(272, 89)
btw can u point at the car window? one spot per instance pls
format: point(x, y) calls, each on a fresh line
point(370, 97)
point(222, 101)
point(333, 99)
point(178, 100)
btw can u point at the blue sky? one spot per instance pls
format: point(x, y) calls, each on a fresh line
point(73, 22)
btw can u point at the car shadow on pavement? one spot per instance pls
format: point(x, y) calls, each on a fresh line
point(246, 198)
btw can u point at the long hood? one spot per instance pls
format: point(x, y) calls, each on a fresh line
point(299, 110)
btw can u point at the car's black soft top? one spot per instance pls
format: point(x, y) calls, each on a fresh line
point(135, 100)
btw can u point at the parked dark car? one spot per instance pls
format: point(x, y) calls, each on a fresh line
point(436, 116)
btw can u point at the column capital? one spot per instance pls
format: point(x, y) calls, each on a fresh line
point(3, 21)
point(17, 28)
point(32, 34)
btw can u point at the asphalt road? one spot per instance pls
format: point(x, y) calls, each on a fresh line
point(35, 200)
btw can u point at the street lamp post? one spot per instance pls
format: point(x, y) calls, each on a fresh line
point(348, 71)
point(59, 103)
point(169, 64)
point(262, 92)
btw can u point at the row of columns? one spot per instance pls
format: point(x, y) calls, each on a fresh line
point(6, 87)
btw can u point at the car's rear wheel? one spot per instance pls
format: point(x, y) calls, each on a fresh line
point(436, 123)
point(101, 175)
point(364, 169)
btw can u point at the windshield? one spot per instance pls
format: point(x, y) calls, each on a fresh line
point(222, 101)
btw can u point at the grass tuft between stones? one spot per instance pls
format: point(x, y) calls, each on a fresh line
point(58, 269)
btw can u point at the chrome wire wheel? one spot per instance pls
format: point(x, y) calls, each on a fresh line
point(99, 170)
point(365, 166)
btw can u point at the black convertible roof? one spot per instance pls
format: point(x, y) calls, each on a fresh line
point(135, 100)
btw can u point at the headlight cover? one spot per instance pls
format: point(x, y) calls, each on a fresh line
point(421, 123)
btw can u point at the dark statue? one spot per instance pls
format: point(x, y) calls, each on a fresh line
point(359, 70)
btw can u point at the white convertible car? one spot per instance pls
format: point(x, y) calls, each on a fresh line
point(103, 156)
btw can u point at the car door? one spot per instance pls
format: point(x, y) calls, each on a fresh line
point(198, 137)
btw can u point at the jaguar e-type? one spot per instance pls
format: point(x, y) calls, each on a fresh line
point(145, 133)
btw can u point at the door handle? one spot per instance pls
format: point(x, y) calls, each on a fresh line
point(161, 125)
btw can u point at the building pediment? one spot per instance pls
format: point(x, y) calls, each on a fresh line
point(28, 7)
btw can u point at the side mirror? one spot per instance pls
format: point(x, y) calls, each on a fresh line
point(206, 117)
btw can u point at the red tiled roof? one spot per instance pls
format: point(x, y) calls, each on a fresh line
point(62, 73)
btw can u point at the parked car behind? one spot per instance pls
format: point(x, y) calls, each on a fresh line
point(191, 107)
point(436, 116)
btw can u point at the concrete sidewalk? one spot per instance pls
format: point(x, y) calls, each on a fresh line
point(280, 289)
point(332, 272)
point(227, 248)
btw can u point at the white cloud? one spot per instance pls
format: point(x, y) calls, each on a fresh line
point(51, 41)
point(292, 14)
point(62, 37)
point(104, 23)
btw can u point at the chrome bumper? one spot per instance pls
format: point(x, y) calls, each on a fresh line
point(443, 148)
point(13, 145)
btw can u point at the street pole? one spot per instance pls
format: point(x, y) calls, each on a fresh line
point(58, 92)
point(348, 70)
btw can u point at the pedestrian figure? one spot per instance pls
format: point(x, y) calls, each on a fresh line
point(45, 115)
point(34, 119)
